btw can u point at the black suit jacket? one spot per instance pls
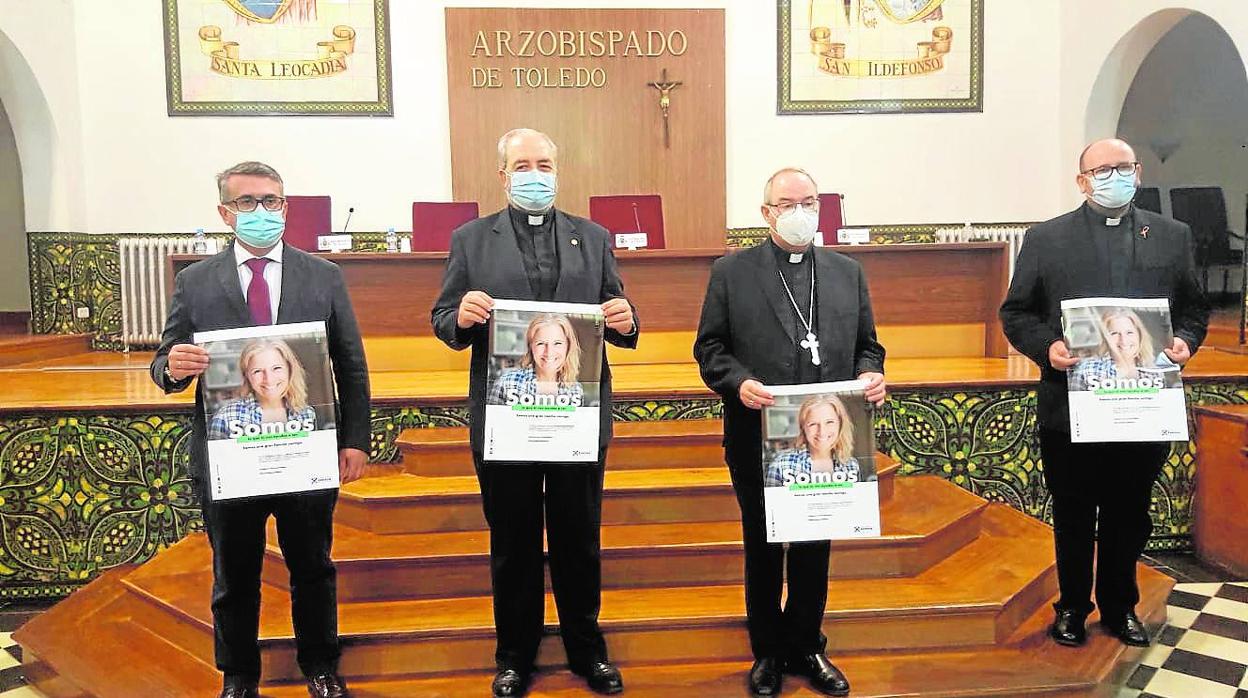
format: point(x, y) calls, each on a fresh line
point(1059, 261)
point(741, 335)
point(207, 296)
point(486, 257)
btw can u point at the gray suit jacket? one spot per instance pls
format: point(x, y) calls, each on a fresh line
point(486, 257)
point(207, 296)
point(1059, 261)
point(741, 336)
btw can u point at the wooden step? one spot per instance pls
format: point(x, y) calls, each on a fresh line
point(977, 596)
point(1029, 665)
point(405, 503)
point(416, 504)
point(926, 520)
point(23, 348)
point(684, 443)
point(136, 661)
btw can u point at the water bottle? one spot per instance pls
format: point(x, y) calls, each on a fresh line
point(392, 241)
point(201, 242)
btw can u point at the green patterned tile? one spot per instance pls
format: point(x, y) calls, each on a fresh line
point(81, 493)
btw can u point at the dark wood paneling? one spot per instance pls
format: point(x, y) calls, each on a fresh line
point(610, 138)
point(910, 285)
point(1218, 523)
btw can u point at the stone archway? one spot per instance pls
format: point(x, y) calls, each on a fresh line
point(34, 133)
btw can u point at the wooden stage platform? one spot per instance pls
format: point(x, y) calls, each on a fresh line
point(117, 381)
point(953, 599)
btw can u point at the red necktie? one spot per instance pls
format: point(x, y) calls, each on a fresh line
point(258, 292)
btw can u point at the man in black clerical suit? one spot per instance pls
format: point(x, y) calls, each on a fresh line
point(1107, 247)
point(533, 251)
point(258, 280)
point(762, 307)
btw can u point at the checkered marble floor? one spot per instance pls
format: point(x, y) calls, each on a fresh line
point(1202, 652)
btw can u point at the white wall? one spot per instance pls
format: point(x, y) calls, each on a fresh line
point(1191, 94)
point(1012, 162)
point(998, 165)
point(14, 289)
point(1106, 42)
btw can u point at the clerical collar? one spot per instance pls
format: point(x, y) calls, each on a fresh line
point(1110, 217)
point(531, 221)
point(787, 256)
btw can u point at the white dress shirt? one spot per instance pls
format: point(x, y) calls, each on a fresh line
point(272, 273)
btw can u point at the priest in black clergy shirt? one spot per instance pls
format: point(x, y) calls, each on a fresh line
point(533, 251)
point(769, 312)
point(1108, 247)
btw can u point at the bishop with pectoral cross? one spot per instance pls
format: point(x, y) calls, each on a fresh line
point(783, 313)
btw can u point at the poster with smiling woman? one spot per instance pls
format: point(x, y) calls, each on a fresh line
point(1124, 387)
point(819, 479)
point(542, 391)
point(268, 398)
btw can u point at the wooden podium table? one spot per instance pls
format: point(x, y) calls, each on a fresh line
point(935, 299)
point(1220, 527)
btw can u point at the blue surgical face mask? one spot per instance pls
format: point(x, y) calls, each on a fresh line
point(259, 228)
point(1115, 192)
point(532, 190)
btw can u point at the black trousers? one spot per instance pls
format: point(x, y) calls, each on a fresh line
point(795, 629)
point(1101, 495)
point(236, 530)
point(514, 496)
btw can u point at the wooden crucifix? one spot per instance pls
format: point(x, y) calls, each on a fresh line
point(665, 103)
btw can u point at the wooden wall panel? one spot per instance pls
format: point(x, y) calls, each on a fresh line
point(610, 138)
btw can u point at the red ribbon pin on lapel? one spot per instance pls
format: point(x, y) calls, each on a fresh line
point(1144, 232)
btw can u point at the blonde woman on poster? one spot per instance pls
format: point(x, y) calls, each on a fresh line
point(825, 444)
point(551, 363)
point(1126, 351)
point(274, 390)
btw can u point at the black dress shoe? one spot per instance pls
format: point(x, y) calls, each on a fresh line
point(235, 686)
point(765, 677)
point(327, 686)
point(823, 674)
point(509, 683)
point(603, 678)
point(1067, 628)
point(1129, 629)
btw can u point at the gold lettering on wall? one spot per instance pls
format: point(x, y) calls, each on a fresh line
point(563, 43)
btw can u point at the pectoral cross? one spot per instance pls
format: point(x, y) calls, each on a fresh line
point(812, 343)
point(665, 103)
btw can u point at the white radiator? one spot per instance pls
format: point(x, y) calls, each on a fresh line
point(144, 300)
point(1010, 234)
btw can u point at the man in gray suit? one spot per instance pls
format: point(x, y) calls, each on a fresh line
point(533, 251)
point(783, 313)
point(258, 280)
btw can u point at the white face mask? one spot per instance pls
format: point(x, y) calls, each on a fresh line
point(798, 227)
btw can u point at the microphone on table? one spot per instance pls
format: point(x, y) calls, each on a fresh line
point(636, 218)
point(349, 212)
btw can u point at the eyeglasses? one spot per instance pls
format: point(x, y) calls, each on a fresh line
point(811, 205)
point(1104, 171)
point(247, 204)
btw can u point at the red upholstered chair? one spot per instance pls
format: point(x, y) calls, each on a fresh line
point(630, 214)
point(434, 221)
point(306, 218)
point(830, 217)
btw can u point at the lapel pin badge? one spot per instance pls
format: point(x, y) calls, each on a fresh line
point(1144, 232)
point(574, 241)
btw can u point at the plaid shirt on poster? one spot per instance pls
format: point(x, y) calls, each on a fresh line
point(798, 462)
point(524, 382)
point(247, 411)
